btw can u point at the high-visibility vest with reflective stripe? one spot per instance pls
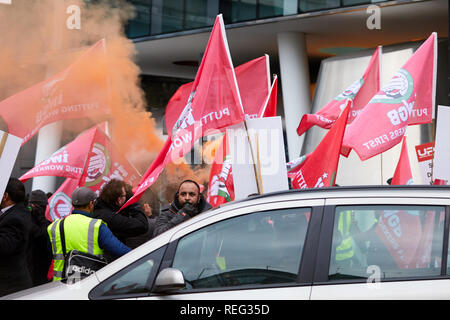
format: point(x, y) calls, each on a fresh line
point(345, 249)
point(81, 233)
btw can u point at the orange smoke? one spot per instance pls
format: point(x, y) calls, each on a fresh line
point(37, 43)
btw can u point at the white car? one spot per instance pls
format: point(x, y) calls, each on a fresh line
point(330, 243)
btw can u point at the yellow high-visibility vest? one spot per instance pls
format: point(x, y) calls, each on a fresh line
point(81, 233)
point(345, 249)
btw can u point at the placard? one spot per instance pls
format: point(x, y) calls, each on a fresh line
point(264, 163)
point(425, 154)
point(9, 148)
point(441, 162)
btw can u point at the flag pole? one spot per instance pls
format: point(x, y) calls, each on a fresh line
point(258, 164)
point(222, 26)
point(255, 163)
point(86, 160)
point(381, 173)
point(3, 142)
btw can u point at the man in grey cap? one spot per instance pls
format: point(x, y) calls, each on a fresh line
point(82, 232)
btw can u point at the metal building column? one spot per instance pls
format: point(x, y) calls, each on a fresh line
point(49, 137)
point(294, 76)
point(48, 142)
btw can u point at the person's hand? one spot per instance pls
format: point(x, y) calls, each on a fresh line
point(189, 209)
point(147, 210)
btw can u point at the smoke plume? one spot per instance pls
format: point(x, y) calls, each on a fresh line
point(42, 38)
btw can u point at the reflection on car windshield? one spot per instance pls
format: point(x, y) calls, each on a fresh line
point(259, 248)
point(392, 241)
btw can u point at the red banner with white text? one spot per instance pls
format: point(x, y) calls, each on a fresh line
point(72, 93)
point(213, 104)
point(407, 99)
point(253, 82)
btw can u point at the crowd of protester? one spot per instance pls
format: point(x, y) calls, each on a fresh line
point(30, 243)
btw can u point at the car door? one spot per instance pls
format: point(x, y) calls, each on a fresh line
point(383, 248)
point(256, 252)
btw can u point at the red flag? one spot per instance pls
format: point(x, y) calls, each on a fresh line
point(151, 174)
point(96, 161)
point(407, 99)
point(67, 95)
point(214, 103)
point(400, 231)
point(253, 78)
point(294, 166)
point(221, 187)
point(253, 81)
point(105, 162)
point(66, 162)
point(270, 105)
point(175, 105)
point(422, 257)
point(402, 174)
point(319, 170)
point(360, 92)
point(92, 157)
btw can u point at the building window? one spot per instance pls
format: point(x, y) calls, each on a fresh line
point(314, 5)
point(139, 26)
point(200, 13)
point(271, 8)
point(243, 10)
point(155, 17)
point(356, 2)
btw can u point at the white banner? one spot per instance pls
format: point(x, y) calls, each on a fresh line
point(441, 168)
point(265, 161)
point(9, 148)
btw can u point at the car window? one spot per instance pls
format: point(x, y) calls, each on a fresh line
point(387, 241)
point(135, 279)
point(255, 249)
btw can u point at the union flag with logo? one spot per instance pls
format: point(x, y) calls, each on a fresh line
point(90, 160)
point(68, 161)
point(407, 99)
point(105, 162)
point(360, 92)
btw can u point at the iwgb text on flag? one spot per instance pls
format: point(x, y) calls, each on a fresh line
point(407, 99)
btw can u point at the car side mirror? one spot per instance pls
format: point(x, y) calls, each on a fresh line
point(169, 279)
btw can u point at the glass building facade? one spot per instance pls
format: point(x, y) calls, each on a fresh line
point(159, 17)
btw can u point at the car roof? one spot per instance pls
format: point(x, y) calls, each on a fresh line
point(287, 195)
point(439, 191)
